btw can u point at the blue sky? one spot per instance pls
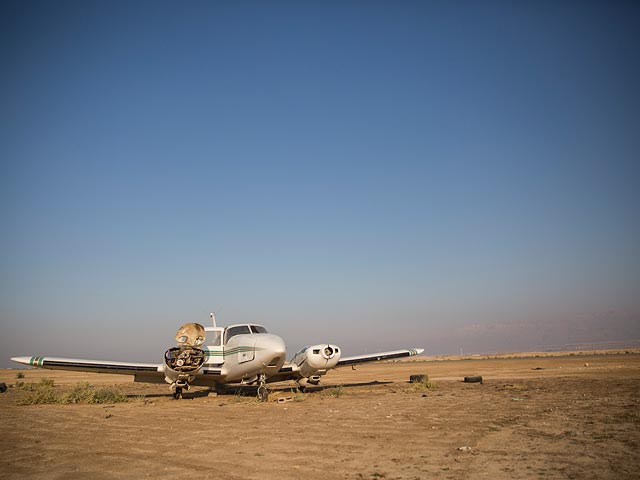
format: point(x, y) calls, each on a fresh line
point(377, 175)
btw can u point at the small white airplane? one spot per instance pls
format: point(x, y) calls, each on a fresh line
point(238, 354)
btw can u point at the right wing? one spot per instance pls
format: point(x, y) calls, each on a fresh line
point(140, 370)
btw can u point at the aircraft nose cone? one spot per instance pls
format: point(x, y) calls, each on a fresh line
point(272, 346)
point(275, 344)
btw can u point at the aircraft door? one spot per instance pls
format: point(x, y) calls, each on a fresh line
point(214, 350)
point(247, 352)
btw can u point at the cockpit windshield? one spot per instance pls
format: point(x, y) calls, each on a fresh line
point(237, 330)
point(243, 330)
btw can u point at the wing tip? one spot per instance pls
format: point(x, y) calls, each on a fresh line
point(23, 360)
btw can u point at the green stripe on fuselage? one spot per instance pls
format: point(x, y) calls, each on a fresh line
point(231, 351)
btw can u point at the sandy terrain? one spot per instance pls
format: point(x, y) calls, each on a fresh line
point(536, 418)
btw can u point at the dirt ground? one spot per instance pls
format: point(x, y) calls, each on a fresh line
point(551, 417)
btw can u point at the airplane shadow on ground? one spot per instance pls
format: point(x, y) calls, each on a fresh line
point(252, 390)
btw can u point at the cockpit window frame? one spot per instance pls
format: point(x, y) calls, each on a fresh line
point(232, 329)
point(258, 329)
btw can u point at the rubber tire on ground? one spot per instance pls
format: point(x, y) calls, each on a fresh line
point(3, 387)
point(177, 394)
point(474, 379)
point(418, 378)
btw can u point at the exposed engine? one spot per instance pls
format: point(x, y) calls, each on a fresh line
point(183, 362)
point(314, 361)
point(184, 359)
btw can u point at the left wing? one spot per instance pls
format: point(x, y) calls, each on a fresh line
point(292, 371)
point(376, 357)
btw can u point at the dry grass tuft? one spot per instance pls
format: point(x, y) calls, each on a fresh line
point(43, 392)
point(423, 385)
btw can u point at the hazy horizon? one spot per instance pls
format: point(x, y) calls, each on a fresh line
point(418, 174)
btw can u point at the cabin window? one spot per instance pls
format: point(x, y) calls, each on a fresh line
point(214, 338)
point(258, 329)
point(238, 330)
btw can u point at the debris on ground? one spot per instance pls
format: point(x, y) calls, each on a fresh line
point(473, 379)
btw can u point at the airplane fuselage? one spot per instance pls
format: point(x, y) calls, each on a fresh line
point(247, 356)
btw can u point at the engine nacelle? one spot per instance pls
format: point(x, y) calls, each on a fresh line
point(317, 359)
point(182, 363)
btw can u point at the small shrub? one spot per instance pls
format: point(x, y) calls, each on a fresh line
point(85, 393)
point(336, 391)
point(43, 392)
point(79, 393)
point(298, 396)
point(37, 393)
point(107, 395)
point(44, 383)
point(19, 375)
point(423, 385)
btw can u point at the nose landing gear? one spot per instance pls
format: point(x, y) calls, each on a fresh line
point(263, 392)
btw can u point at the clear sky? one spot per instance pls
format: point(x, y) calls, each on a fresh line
point(379, 175)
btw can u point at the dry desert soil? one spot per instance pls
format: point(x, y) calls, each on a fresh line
point(535, 417)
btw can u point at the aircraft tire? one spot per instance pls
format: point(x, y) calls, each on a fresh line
point(473, 379)
point(177, 394)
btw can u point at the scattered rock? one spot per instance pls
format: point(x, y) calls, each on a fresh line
point(465, 449)
point(586, 364)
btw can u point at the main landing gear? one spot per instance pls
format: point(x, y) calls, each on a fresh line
point(178, 388)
